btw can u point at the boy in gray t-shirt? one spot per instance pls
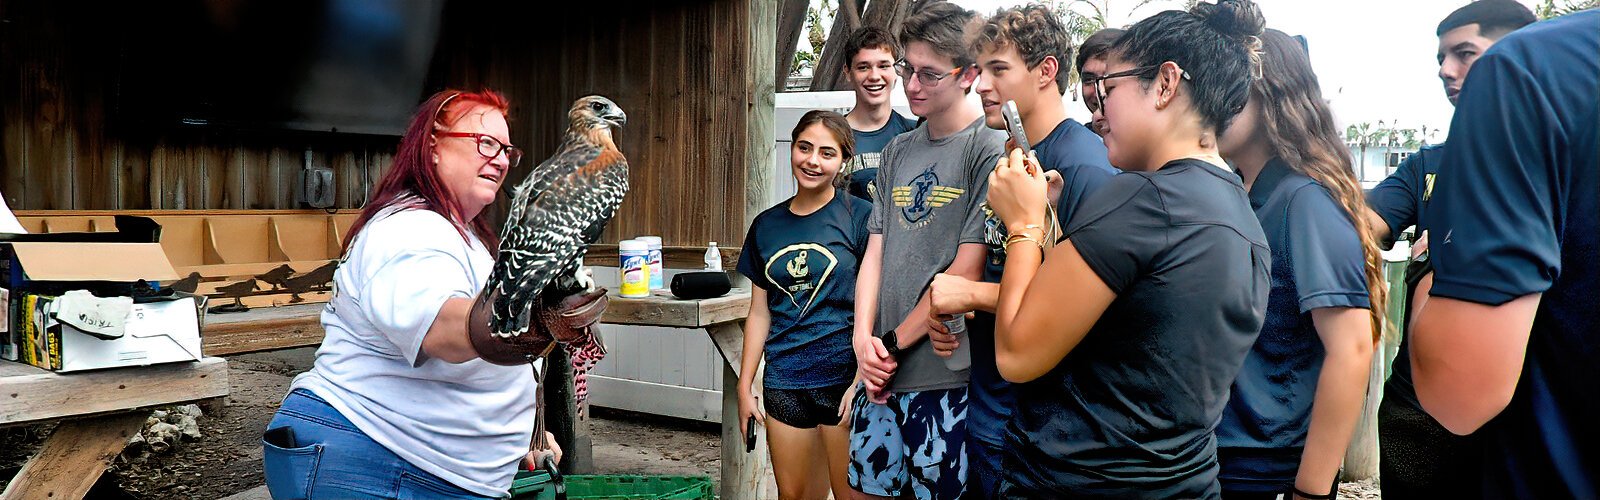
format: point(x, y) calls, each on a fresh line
point(908, 428)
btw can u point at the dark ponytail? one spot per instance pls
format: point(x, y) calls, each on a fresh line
point(1218, 44)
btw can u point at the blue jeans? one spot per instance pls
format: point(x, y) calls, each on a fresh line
point(311, 451)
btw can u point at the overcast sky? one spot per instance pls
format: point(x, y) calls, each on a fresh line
point(1375, 58)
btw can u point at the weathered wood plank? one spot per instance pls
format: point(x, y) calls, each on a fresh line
point(282, 328)
point(73, 458)
point(46, 102)
point(14, 122)
point(662, 309)
point(28, 394)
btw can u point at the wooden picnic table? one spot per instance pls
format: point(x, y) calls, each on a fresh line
point(744, 475)
point(99, 411)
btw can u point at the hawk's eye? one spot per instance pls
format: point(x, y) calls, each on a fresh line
point(597, 106)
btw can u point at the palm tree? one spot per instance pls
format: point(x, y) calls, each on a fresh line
point(1361, 135)
point(1085, 17)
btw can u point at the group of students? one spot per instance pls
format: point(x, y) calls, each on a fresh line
point(1181, 299)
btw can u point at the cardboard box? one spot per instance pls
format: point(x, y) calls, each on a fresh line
point(153, 332)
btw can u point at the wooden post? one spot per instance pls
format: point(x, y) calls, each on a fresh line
point(745, 475)
point(1361, 457)
point(760, 105)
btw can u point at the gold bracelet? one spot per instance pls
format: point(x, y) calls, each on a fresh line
point(1023, 237)
point(1024, 230)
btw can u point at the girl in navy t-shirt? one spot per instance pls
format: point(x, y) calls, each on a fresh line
point(802, 256)
point(1299, 395)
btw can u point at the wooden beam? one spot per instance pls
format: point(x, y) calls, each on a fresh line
point(829, 72)
point(791, 22)
point(664, 310)
point(262, 329)
point(74, 457)
point(29, 394)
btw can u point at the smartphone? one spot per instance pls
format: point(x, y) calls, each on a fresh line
point(1019, 138)
point(750, 435)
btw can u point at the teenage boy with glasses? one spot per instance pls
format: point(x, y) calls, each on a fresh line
point(1022, 53)
point(908, 427)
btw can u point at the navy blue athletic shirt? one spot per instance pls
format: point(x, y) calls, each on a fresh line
point(1080, 157)
point(1400, 197)
point(1317, 262)
point(869, 146)
point(1516, 212)
point(807, 265)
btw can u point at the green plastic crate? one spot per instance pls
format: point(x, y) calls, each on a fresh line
point(531, 485)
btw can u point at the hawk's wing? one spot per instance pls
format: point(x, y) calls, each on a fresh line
point(561, 208)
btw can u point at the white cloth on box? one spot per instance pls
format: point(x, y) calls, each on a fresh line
point(102, 317)
point(8, 221)
point(468, 423)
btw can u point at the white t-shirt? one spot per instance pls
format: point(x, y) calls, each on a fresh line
point(467, 423)
point(8, 221)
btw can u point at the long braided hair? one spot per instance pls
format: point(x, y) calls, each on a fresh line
point(1300, 128)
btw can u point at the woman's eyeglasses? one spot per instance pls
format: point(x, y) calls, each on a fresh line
point(490, 147)
point(1097, 101)
point(925, 76)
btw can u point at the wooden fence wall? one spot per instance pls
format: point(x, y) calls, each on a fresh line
point(680, 68)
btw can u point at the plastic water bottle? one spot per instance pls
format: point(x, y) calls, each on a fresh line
point(961, 359)
point(713, 258)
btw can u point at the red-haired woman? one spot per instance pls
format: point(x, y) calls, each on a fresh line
point(398, 404)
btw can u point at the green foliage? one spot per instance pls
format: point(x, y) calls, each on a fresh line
point(818, 18)
point(1551, 8)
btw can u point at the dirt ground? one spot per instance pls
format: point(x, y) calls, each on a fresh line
point(227, 459)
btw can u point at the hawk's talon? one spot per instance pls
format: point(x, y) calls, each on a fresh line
point(585, 278)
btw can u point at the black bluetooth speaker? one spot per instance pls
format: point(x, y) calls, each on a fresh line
point(701, 285)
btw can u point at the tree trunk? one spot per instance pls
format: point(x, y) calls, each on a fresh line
point(829, 72)
point(791, 20)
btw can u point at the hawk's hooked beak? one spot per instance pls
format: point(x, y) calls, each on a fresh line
point(616, 117)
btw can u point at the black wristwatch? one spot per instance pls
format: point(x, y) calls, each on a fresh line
point(891, 343)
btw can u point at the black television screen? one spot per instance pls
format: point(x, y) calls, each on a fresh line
point(349, 66)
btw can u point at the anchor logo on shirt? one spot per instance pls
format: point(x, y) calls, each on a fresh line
point(797, 267)
point(796, 280)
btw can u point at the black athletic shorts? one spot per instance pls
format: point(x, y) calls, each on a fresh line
point(804, 408)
